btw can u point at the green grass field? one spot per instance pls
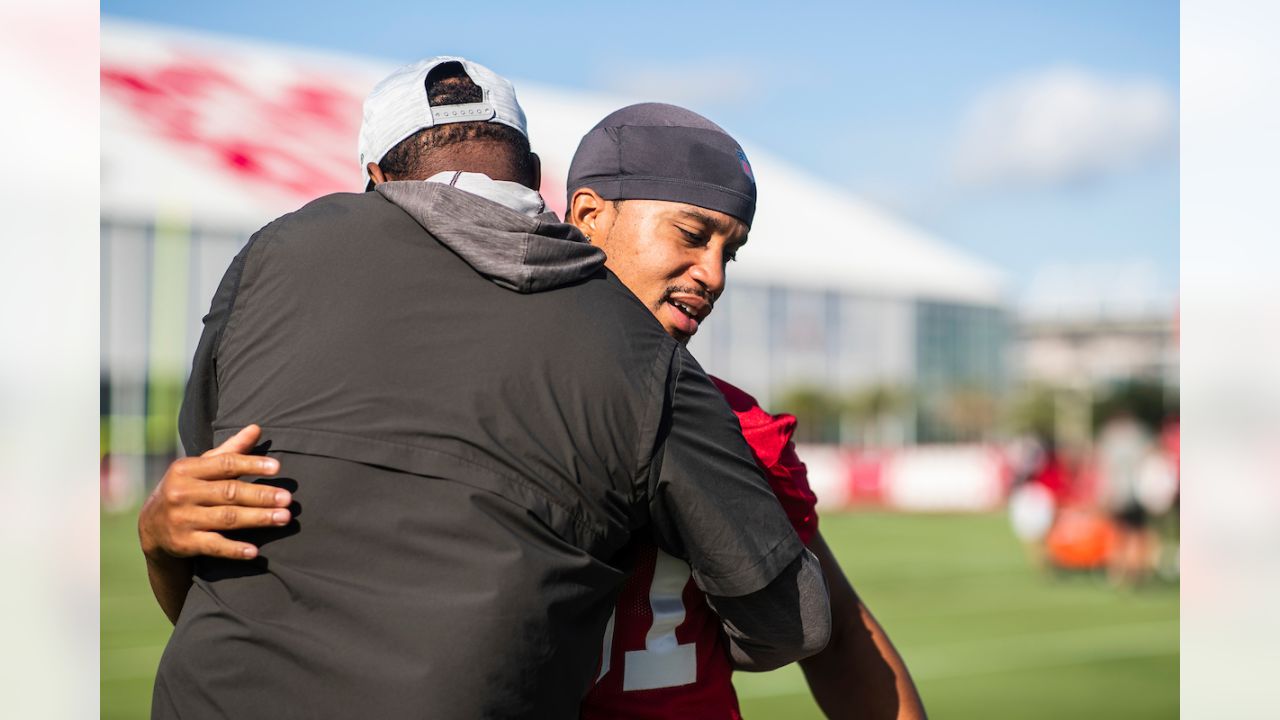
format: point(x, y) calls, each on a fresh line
point(984, 633)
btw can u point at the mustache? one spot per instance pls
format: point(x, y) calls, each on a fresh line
point(690, 290)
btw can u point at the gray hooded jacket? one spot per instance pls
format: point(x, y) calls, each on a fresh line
point(474, 417)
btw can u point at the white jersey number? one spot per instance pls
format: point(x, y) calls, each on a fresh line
point(663, 662)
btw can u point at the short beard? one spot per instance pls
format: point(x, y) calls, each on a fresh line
point(685, 290)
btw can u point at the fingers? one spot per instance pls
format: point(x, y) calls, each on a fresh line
point(200, 496)
point(212, 544)
point(237, 493)
point(225, 466)
point(228, 517)
point(241, 442)
point(196, 531)
point(191, 531)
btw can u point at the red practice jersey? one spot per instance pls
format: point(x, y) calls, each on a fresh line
point(665, 656)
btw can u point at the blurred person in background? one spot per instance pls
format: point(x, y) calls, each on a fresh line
point(1042, 488)
point(477, 419)
point(1053, 473)
point(1159, 487)
point(669, 240)
point(1124, 448)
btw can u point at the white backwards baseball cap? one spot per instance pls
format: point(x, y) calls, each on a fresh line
point(398, 107)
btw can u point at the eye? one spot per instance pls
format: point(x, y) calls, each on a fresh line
point(731, 255)
point(694, 239)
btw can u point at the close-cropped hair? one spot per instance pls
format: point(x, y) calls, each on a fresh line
point(448, 84)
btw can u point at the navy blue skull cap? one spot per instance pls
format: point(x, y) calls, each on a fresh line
point(655, 151)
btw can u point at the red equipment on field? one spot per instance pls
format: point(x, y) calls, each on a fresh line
point(1080, 539)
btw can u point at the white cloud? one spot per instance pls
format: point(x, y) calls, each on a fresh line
point(701, 83)
point(1063, 125)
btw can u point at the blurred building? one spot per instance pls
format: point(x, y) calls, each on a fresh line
point(1096, 351)
point(206, 139)
point(1095, 326)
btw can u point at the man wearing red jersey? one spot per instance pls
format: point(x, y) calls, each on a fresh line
point(665, 655)
point(669, 238)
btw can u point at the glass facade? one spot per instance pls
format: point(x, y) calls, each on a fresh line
point(947, 357)
point(960, 369)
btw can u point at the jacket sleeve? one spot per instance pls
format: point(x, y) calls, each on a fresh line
point(711, 506)
point(200, 403)
point(709, 502)
point(764, 629)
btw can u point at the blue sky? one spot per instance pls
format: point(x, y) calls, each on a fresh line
point(1031, 134)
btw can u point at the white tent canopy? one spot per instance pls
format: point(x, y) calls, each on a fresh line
point(230, 133)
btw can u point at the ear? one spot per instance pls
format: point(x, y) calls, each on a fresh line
point(590, 213)
point(376, 175)
point(535, 171)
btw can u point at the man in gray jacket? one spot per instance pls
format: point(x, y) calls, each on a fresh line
point(473, 417)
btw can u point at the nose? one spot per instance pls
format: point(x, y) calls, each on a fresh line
point(709, 273)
